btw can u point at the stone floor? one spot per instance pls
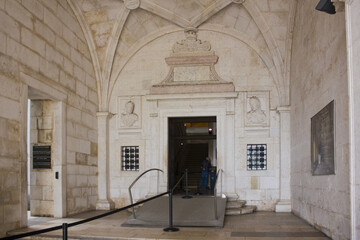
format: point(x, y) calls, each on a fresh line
point(260, 225)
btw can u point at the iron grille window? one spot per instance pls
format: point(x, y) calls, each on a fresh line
point(130, 158)
point(256, 157)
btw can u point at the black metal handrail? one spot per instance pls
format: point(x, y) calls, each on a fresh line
point(64, 226)
point(220, 171)
point(135, 181)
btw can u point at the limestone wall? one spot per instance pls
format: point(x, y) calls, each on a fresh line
point(318, 76)
point(43, 50)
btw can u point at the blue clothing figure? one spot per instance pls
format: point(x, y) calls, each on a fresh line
point(205, 166)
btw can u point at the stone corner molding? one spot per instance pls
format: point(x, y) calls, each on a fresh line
point(238, 1)
point(132, 4)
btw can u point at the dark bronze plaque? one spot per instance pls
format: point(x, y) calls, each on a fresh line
point(42, 157)
point(322, 141)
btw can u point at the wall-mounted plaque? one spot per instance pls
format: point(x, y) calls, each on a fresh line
point(42, 157)
point(322, 141)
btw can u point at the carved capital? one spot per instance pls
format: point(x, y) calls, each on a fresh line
point(238, 1)
point(103, 114)
point(132, 4)
point(283, 109)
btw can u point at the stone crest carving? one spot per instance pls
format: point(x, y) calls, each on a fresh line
point(257, 110)
point(191, 43)
point(129, 112)
point(132, 4)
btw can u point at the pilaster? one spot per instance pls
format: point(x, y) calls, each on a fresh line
point(284, 204)
point(104, 202)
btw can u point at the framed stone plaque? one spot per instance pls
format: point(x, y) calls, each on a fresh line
point(322, 141)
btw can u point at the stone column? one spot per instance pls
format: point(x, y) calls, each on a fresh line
point(352, 9)
point(284, 204)
point(104, 202)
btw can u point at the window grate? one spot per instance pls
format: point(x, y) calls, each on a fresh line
point(130, 158)
point(256, 157)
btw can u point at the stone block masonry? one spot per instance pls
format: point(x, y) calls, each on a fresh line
point(43, 40)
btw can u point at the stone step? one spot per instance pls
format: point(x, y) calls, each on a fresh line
point(235, 204)
point(240, 211)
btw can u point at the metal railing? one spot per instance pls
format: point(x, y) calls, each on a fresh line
point(65, 226)
point(133, 183)
point(220, 171)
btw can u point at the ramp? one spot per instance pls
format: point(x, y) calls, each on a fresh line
point(194, 212)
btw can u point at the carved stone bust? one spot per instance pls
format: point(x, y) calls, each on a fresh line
point(256, 115)
point(129, 117)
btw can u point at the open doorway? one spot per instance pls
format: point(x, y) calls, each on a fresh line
point(40, 164)
point(46, 147)
point(191, 140)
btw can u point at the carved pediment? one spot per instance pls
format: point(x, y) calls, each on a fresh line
point(192, 68)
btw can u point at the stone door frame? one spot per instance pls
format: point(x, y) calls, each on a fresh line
point(219, 105)
point(59, 142)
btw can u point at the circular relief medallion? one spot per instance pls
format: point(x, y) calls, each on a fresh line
point(132, 4)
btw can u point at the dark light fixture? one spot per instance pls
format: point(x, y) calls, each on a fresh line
point(326, 6)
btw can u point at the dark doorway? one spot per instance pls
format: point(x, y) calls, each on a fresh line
point(191, 140)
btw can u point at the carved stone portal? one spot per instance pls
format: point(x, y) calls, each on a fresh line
point(192, 68)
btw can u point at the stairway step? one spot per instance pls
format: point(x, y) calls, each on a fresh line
point(235, 204)
point(240, 211)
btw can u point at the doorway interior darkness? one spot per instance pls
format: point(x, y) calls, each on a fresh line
point(191, 140)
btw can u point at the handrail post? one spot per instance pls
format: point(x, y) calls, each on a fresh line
point(187, 196)
point(221, 185)
point(132, 203)
point(65, 231)
point(171, 228)
point(215, 204)
point(215, 191)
